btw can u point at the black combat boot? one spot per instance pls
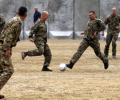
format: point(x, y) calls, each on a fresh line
point(45, 68)
point(70, 65)
point(2, 96)
point(106, 63)
point(23, 54)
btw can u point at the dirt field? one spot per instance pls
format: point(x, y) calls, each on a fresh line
point(87, 81)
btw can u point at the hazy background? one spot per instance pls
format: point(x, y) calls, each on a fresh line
point(61, 11)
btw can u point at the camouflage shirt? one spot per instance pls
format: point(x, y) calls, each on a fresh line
point(94, 27)
point(2, 23)
point(113, 24)
point(39, 30)
point(11, 32)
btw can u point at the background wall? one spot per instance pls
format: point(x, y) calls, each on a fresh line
point(61, 11)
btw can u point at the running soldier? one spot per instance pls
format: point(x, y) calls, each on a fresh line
point(90, 39)
point(8, 40)
point(39, 33)
point(113, 22)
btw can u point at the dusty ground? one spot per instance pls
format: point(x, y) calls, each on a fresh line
point(87, 81)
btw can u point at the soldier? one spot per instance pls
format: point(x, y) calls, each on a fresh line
point(113, 30)
point(90, 39)
point(36, 15)
point(40, 39)
point(8, 40)
point(2, 23)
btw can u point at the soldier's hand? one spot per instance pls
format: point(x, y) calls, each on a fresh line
point(117, 27)
point(82, 33)
point(8, 53)
point(95, 34)
point(31, 39)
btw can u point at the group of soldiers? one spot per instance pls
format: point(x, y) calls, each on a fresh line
point(10, 33)
point(95, 26)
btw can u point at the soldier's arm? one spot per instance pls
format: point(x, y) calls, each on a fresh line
point(106, 21)
point(34, 30)
point(101, 26)
point(10, 35)
point(42, 28)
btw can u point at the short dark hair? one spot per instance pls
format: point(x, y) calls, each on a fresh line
point(92, 12)
point(22, 11)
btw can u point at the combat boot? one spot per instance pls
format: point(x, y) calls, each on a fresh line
point(23, 54)
point(45, 68)
point(2, 96)
point(70, 65)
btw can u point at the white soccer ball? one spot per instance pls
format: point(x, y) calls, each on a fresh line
point(62, 67)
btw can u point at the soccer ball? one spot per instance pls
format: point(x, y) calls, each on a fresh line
point(62, 67)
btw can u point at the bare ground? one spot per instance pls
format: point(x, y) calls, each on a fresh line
point(86, 81)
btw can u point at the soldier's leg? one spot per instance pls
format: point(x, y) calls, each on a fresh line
point(83, 46)
point(48, 57)
point(96, 47)
point(6, 71)
point(108, 41)
point(37, 52)
point(115, 37)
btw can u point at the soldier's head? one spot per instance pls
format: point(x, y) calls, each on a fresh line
point(35, 9)
point(22, 12)
point(44, 16)
point(92, 15)
point(114, 11)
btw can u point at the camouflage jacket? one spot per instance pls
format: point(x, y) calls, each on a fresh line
point(2, 23)
point(39, 31)
point(10, 33)
point(113, 24)
point(94, 27)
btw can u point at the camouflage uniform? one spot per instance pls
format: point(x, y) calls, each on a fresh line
point(2, 23)
point(40, 39)
point(112, 33)
point(8, 39)
point(90, 39)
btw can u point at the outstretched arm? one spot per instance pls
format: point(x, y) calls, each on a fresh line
point(34, 30)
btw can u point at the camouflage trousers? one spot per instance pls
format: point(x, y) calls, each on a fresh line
point(42, 49)
point(6, 69)
point(86, 42)
point(111, 38)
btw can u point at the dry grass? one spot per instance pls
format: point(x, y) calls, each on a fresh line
point(87, 81)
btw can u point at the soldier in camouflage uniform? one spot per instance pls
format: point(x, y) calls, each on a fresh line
point(8, 40)
point(90, 39)
point(113, 30)
point(40, 39)
point(2, 23)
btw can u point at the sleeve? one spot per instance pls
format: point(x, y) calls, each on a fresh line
point(106, 21)
point(39, 14)
point(101, 26)
point(34, 30)
point(10, 35)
